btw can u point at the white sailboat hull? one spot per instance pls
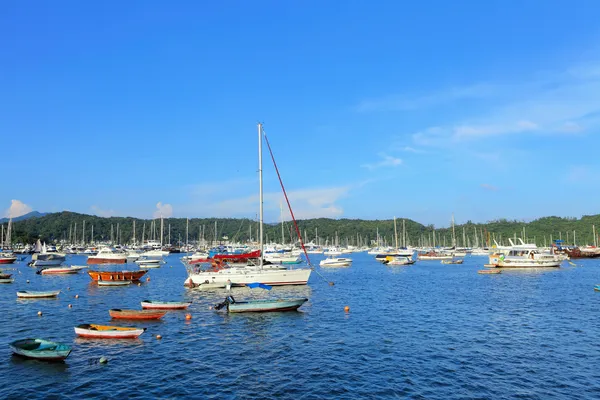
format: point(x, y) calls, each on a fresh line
point(242, 276)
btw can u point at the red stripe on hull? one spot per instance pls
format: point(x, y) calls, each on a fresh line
point(7, 260)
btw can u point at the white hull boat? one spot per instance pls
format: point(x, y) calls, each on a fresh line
point(336, 262)
point(245, 275)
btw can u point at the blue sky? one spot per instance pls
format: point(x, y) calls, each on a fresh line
point(374, 109)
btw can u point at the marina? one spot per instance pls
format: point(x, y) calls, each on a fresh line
point(204, 200)
point(455, 313)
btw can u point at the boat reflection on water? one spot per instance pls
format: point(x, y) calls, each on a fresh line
point(56, 371)
point(105, 343)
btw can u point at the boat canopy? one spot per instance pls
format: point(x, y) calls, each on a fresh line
point(255, 285)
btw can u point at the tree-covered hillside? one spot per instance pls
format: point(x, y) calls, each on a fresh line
point(69, 226)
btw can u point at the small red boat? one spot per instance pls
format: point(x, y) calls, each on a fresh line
point(135, 314)
point(239, 258)
point(7, 258)
point(116, 275)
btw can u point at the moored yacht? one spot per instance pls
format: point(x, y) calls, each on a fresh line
point(108, 255)
point(524, 256)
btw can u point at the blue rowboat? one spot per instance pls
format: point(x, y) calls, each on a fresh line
point(597, 288)
point(41, 349)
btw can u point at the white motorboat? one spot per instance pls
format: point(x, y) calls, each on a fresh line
point(398, 260)
point(524, 256)
point(108, 255)
point(336, 262)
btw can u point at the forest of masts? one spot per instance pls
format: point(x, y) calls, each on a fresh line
point(209, 237)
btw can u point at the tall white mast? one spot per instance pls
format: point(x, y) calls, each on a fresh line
point(133, 239)
point(453, 232)
point(404, 233)
point(396, 233)
point(260, 194)
point(161, 231)
point(187, 231)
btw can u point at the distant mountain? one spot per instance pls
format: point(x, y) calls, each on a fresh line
point(33, 214)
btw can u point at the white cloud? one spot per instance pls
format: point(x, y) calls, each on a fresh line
point(101, 212)
point(404, 102)
point(386, 161)
point(16, 209)
point(306, 202)
point(163, 210)
point(562, 103)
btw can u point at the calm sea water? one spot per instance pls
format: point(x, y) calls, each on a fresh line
point(427, 331)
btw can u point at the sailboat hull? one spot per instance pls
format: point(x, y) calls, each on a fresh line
point(242, 276)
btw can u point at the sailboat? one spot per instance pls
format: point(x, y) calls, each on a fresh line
point(398, 258)
point(209, 272)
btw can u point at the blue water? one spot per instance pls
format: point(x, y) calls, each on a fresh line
point(426, 331)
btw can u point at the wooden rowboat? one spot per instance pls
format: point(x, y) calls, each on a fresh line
point(136, 314)
point(29, 294)
point(114, 283)
point(489, 271)
point(116, 275)
point(41, 349)
point(8, 280)
point(5, 276)
point(107, 331)
point(164, 305)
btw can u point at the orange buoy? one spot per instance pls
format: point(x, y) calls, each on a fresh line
point(347, 309)
point(158, 337)
point(188, 316)
point(148, 279)
point(40, 313)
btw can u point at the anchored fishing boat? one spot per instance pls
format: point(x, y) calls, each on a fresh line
point(30, 294)
point(41, 349)
point(262, 305)
point(164, 305)
point(107, 331)
point(116, 275)
point(118, 313)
